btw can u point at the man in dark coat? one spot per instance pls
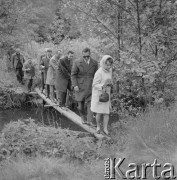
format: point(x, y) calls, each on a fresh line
point(17, 64)
point(10, 54)
point(63, 77)
point(44, 65)
point(82, 75)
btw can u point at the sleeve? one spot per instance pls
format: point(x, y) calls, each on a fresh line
point(24, 67)
point(63, 69)
point(53, 63)
point(13, 60)
point(23, 59)
point(97, 81)
point(96, 67)
point(74, 73)
point(41, 63)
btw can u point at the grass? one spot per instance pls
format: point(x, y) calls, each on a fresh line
point(43, 168)
point(7, 79)
point(150, 136)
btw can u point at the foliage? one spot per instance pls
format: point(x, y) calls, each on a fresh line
point(152, 135)
point(27, 138)
point(49, 168)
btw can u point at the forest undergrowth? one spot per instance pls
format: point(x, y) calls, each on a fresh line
point(30, 151)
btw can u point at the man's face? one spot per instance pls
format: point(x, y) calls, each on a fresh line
point(86, 55)
point(49, 53)
point(30, 61)
point(70, 56)
point(59, 53)
point(17, 52)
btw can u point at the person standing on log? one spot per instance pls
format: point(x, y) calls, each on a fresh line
point(29, 73)
point(82, 75)
point(44, 65)
point(42, 72)
point(102, 84)
point(63, 78)
point(17, 64)
point(9, 56)
point(51, 73)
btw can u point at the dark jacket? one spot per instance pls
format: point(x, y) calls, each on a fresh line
point(17, 61)
point(82, 75)
point(63, 74)
point(44, 61)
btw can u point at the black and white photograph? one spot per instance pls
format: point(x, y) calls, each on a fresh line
point(88, 89)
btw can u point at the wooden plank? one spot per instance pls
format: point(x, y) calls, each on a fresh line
point(71, 115)
point(51, 105)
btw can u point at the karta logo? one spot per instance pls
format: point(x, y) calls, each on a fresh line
point(137, 171)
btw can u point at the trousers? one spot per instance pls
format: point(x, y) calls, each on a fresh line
point(82, 112)
point(61, 97)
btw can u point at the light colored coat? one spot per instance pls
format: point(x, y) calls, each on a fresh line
point(100, 78)
point(44, 61)
point(31, 72)
point(51, 73)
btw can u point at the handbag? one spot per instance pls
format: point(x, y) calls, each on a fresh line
point(104, 97)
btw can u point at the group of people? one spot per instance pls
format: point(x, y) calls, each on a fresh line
point(83, 78)
point(60, 74)
point(24, 70)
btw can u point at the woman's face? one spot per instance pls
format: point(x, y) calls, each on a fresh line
point(108, 65)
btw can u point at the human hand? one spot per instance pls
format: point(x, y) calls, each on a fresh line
point(76, 88)
point(109, 82)
point(42, 67)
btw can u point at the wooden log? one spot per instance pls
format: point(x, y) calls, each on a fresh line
point(72, 116)
point(51, 105)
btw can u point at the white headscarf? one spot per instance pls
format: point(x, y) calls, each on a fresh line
point(103, 62)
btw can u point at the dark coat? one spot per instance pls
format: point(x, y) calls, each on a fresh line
point(63, 74)
point(82, 75)
point(44, 61)
point(17, 61)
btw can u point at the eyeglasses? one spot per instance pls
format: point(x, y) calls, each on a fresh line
point(86, 57)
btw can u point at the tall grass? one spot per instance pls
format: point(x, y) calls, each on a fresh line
point(6, 78)
point(44, 168)
point(152, 135)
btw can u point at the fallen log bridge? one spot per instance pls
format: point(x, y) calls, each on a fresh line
point(70, 115)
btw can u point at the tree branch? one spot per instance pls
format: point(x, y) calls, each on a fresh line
point(93, 17)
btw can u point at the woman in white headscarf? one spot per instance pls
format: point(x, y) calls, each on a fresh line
point(102, 82)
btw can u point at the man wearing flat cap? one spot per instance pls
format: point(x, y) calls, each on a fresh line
point(29, 73)
point(17, 64)
point(44, 65)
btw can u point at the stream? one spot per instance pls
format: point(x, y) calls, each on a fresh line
point(48, 117)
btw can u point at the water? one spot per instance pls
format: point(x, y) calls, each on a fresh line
point(48, 117)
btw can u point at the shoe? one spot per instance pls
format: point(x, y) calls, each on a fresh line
point(83, 120)
point(98, 131)
point(91, 124)
point(106, 133)
point(64, 108)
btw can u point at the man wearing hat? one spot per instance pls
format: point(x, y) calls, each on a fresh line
point(29, 73)
point(44, 65)
point(17, 64)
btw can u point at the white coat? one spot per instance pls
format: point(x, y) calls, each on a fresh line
point(100, 78)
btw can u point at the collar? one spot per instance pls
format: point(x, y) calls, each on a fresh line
point(87, 62)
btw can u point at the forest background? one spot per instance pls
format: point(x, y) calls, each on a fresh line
point(139, 35)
